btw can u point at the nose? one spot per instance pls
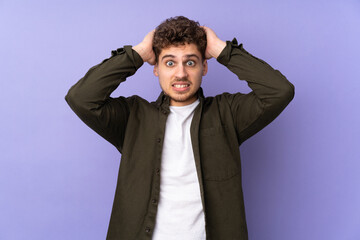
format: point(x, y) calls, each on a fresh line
point(181, 71)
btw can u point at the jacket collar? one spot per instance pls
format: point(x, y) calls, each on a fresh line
point(163, 101)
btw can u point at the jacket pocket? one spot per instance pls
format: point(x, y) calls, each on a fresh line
point(219, 162)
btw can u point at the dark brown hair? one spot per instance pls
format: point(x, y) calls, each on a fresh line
point(178, 31)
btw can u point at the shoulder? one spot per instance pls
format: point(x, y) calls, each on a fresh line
point(224, 98)
point(135, 102)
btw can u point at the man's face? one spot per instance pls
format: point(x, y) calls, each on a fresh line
point(180, 70)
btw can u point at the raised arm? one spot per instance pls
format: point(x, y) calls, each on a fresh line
point(271, 91)
point(145, 48)
point(90, 97)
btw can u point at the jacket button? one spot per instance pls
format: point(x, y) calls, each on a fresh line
point(147, 229)
point(158, 140)
point(153, 201)
point(158, 171)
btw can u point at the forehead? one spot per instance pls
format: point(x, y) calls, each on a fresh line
point(180, 51)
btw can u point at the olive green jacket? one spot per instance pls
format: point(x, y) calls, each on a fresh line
point(220, 125)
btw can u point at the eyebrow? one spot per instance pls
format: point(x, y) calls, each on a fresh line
point(168, 55)
point(187, 56)
point(192, 55)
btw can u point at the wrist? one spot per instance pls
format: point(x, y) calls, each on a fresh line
point(217, 48)
point(140, 50)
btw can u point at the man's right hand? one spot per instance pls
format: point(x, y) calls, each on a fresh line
point(145, 50)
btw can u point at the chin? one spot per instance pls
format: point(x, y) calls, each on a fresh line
point(185, 99)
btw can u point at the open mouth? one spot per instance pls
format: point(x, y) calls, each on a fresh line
point(179, 86)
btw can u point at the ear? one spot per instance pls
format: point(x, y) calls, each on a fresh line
point(205, 67)
point(156, 70)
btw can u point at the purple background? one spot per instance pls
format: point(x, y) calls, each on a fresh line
point(300, 174)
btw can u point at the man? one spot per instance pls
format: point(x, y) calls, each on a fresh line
point(180, 173)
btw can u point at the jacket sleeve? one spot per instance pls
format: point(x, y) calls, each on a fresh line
point(90, 97)
point(271, 91)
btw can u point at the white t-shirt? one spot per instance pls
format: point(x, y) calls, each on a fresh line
point(180, 213)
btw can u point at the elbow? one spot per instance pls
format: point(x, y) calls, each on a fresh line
point(283, 96)
point(70, 98)
point(73, 99)
point(81, 103)
point(288, 92)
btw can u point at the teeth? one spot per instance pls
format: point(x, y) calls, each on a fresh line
point(180, 86)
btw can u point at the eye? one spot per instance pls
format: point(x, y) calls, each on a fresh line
point(190, 63)
point(169, 63)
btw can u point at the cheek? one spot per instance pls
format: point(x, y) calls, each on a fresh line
point(161, 72)
point(163, 81)
point(164, 76)
point(198, 77)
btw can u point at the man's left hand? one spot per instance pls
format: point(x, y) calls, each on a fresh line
point(214, 44)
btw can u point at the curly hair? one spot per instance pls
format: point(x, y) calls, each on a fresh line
point(179, 31)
